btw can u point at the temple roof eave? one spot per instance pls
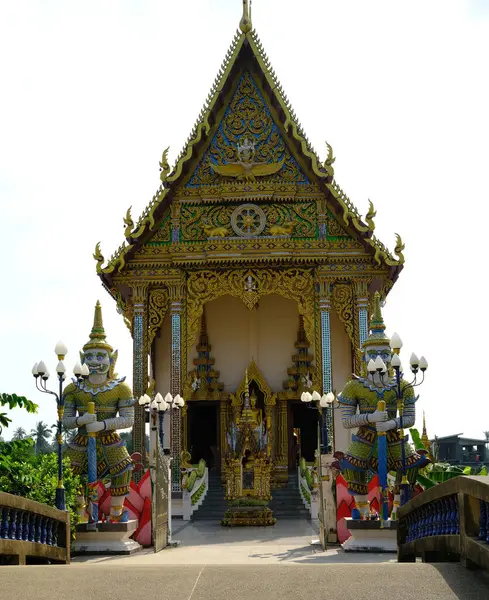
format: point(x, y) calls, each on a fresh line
point(148, 223)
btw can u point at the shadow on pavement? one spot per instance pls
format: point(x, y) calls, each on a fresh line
point(466, 584)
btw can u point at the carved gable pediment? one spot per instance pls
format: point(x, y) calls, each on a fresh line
point(248, 145)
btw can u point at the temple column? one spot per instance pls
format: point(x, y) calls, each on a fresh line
point(140, 363)
point(361, 320)
point(324, 296)
point(327, 500)
point(223, 428)
point(176, 291)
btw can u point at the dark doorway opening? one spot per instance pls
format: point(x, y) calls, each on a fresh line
point(305, 421)
point(203, 433)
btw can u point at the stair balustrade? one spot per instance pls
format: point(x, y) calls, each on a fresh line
point(31, 531)
point(447, 522)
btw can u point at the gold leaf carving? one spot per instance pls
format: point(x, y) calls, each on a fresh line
point(249, 285)
point(334, 228)
point(343, 303)
point(158, 307)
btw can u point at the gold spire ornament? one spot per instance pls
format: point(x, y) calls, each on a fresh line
point(97, 335)
point(245, 23)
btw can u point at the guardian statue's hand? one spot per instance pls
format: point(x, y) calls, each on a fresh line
point(378, 416)
point(97, 426)
point(86, 419)
point(387, 425)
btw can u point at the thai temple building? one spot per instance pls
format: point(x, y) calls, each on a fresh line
point(249, 277)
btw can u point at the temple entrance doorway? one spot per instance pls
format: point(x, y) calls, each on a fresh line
point(303, 434)
point(203, 433)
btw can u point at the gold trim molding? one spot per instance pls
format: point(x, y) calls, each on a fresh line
point(249, 285)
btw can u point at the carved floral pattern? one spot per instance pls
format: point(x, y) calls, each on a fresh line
point(247, 117)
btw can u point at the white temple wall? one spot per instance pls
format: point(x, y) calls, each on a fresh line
point(341, 365)
point(238, 336)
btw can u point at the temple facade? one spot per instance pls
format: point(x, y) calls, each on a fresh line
point(250, 273)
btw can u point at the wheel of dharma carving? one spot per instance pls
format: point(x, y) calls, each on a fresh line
point(248, 220)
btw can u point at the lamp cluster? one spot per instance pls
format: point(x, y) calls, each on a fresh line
point(379, 366)
point(40, 369)
point(41, 375)
point(324, 401)
point(162, 404)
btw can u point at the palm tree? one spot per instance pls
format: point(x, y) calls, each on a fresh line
point(19, 434)
point(41, 435)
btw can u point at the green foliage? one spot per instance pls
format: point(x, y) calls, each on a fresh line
point(23, 473)
point(19, 434)
point(14, 401)
point(436, 473)
point(41, 435)
point(248, 502)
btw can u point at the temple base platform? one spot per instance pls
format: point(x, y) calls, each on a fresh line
point(248, 516)
point(108, 538)
point(370, 536)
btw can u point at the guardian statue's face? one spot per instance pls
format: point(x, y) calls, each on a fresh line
point(384, 352)
point(98, 361)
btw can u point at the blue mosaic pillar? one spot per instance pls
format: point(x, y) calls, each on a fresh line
point(176, 306)
point(361, 303)
point(140, 367)
point(327, 428)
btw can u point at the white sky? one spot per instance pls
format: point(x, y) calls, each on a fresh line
point(93, 91)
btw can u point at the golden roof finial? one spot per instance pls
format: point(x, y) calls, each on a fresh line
point(424, 438)
point(245, 23)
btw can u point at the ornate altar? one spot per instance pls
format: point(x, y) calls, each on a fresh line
point(248, 463)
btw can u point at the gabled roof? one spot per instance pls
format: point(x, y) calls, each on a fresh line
point(246, 45)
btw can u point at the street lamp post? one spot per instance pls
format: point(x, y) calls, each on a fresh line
point(378, 366)
point(325, 428)
point(41, 376)
point(157, 409)
point(324, 405)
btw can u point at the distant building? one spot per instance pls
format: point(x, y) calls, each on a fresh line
point(458, 450)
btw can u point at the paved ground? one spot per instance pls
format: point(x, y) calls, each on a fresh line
point(214, 563)
point(207, 543)
point(241, 582)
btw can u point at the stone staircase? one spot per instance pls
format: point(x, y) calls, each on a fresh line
point(286, 502)
point(214, 505)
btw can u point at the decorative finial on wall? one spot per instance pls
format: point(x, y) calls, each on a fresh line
point(245, 23)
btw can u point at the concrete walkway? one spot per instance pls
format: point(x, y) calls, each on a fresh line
point(208, 543)
point(242, 582)
point(269, 563)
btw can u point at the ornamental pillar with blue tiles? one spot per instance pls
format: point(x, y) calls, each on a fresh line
point(361, 318)
point(140, 363)
point(324, 299)
point(176, 292)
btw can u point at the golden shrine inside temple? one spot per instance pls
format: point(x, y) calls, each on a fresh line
point(247, 279)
